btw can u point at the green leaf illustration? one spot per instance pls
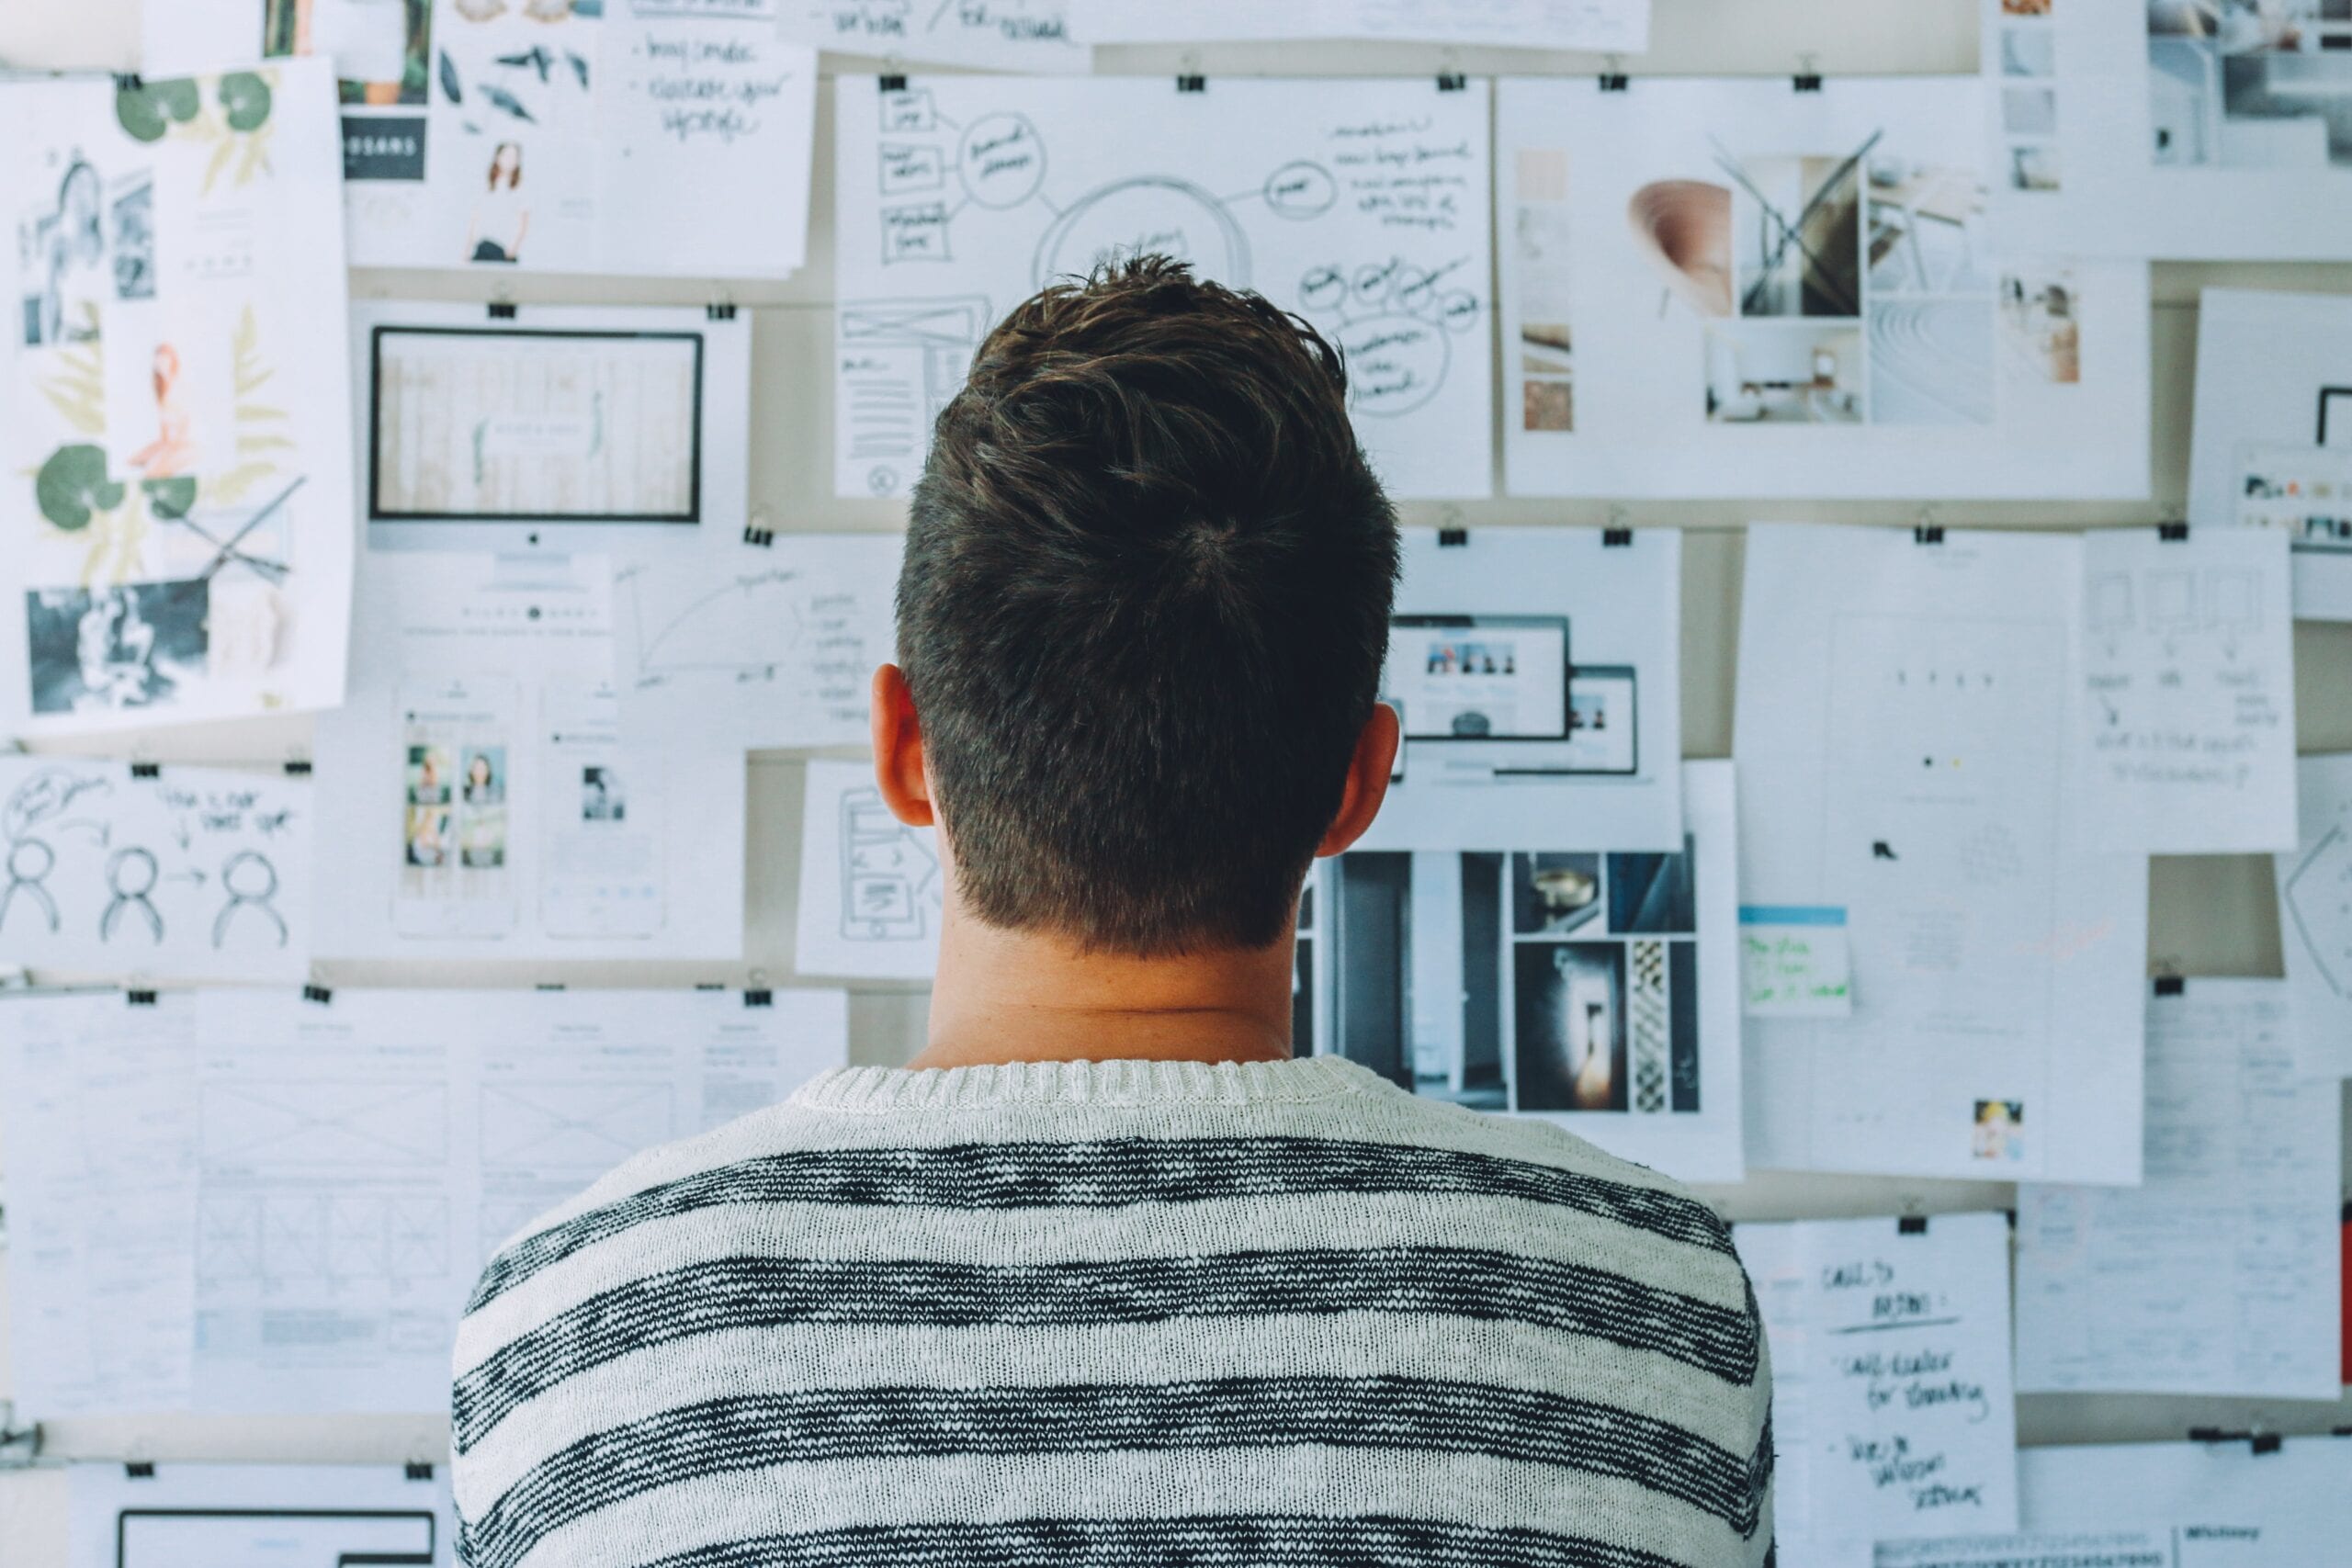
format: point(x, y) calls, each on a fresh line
point(245, 98)
point(137, 111)
point(73, 484)
point(170, 498)
point(177, 98)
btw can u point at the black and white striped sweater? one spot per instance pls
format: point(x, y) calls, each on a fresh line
point(1117, 1313)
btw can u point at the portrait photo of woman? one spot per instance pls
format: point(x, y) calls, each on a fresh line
point(501, 217)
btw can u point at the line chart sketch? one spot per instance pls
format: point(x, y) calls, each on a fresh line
point(1362, 206)
point(798, 622)
point(175, 874)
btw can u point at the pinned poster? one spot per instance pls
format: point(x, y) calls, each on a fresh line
point(175, 426)
point(1362, 205)
point(1721, 286)
point(2273, 442)
point(178, 873)
point(175, 1515)
point(1906, 734)
point(1795, 962)
point(1892, 1413)
point(1536, 675)
point(982, 35)
point(2187, 722)
point(2315, 918)
point(872, 889)
point(2218, 1274)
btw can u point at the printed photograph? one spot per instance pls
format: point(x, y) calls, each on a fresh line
point(386, 46)
point(602, 799)
point(2000, 1130)
point(1799, 235)
point(2028, 51)
point(1653, 895)
point(1546, 362)
point(1553, 894)
point(427, 838)
point(63, 275)
point(2250, 83)
point(485, 775)
point(128, 647)
point(1764, 372)
point(2040, 338)
point(432, 773)
point(1931, 362)
point(1570, 1012)
point(1926, 228)
point(2029, 111)
point(2034, 167)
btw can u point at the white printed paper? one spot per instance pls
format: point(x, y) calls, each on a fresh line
point(871, 887)
point(1537, 676)
point(191, 874)
point(486, 799)
point(1622, 25)
point(985, 35)
point(1906, 734)
point(101, 1186)
point(2273, 445)
point(2173, 128)
point(248, 1201)
point(583, 428)
point(1892, 1413)
point(1362, 205)
point(2315, 918)
point(1595, 990)
point(2197, 1504)
point(175, 433)
point(1795, 962)
point(770, 644)
point(2220, 1274)
point(1726, 288)
point(2189, 691)
point(259, 1516)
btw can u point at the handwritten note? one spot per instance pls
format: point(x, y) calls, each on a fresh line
point(708, 120)
point(1893, 1413)
point(1795, 962)
point(2188, 714)
point(989, 34)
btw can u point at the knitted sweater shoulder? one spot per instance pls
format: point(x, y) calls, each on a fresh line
point(1117, 1313)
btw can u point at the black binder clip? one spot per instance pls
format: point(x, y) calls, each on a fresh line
point(418, 1470)
point(759, 998)
point(1452, 82)
point(720, 313)
point(139, 999)
point(297, 767)
point(322, 995)
point(129, 81)
point(139, 1469)
point(894, 83)
point(1193, 84)
point(2173, 532)
point(755, 534)
point(146, 770)
point(1928, 534)
point(1452, 538)
point(1616, 539)
point(1911, 1224)
point(1614, 82)
point(502, 310)
point(1806, 80)
point(2171, 986)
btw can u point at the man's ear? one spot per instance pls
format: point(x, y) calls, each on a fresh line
point(1367, 785)
point(898, 751)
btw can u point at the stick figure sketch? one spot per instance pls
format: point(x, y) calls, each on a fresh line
point(250, 882)
point(131, 875)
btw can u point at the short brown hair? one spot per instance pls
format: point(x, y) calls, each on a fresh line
point(1143, 611)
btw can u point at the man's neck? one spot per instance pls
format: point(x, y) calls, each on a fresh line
point(1024, 996)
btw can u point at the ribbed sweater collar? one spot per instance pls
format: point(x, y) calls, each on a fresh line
point(877, 1090)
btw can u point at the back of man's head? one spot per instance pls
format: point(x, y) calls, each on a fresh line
point(1144, 611)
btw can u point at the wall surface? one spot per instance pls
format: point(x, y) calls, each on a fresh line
point(2210, 915)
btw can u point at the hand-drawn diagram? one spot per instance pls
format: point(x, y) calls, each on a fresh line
point(2316, 893)
point(297, 1124)
point(1364, 210)
point(592, 1125)
point(247, 1238)
point(890, 887)
point(184, 873)
point(872, 889)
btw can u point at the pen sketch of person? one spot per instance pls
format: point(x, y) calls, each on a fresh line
point(500, 218)
point(171, 451)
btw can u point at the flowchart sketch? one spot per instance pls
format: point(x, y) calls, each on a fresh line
point(175, 426)
point(1720, 286)
point(2188, 721)
point(871, 887)
point(114, 869)
point(2316, 917)
point(770, 643)
point(982, 35)
point(1361, 205)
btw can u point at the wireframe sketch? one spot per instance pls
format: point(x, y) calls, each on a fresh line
point(2250, 83)
point(1363, 207)
point(891, 878)
point(2317, 897)
point(275, 1239)
point(593, 1126)
point(297, 1124)
point(507, 423)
